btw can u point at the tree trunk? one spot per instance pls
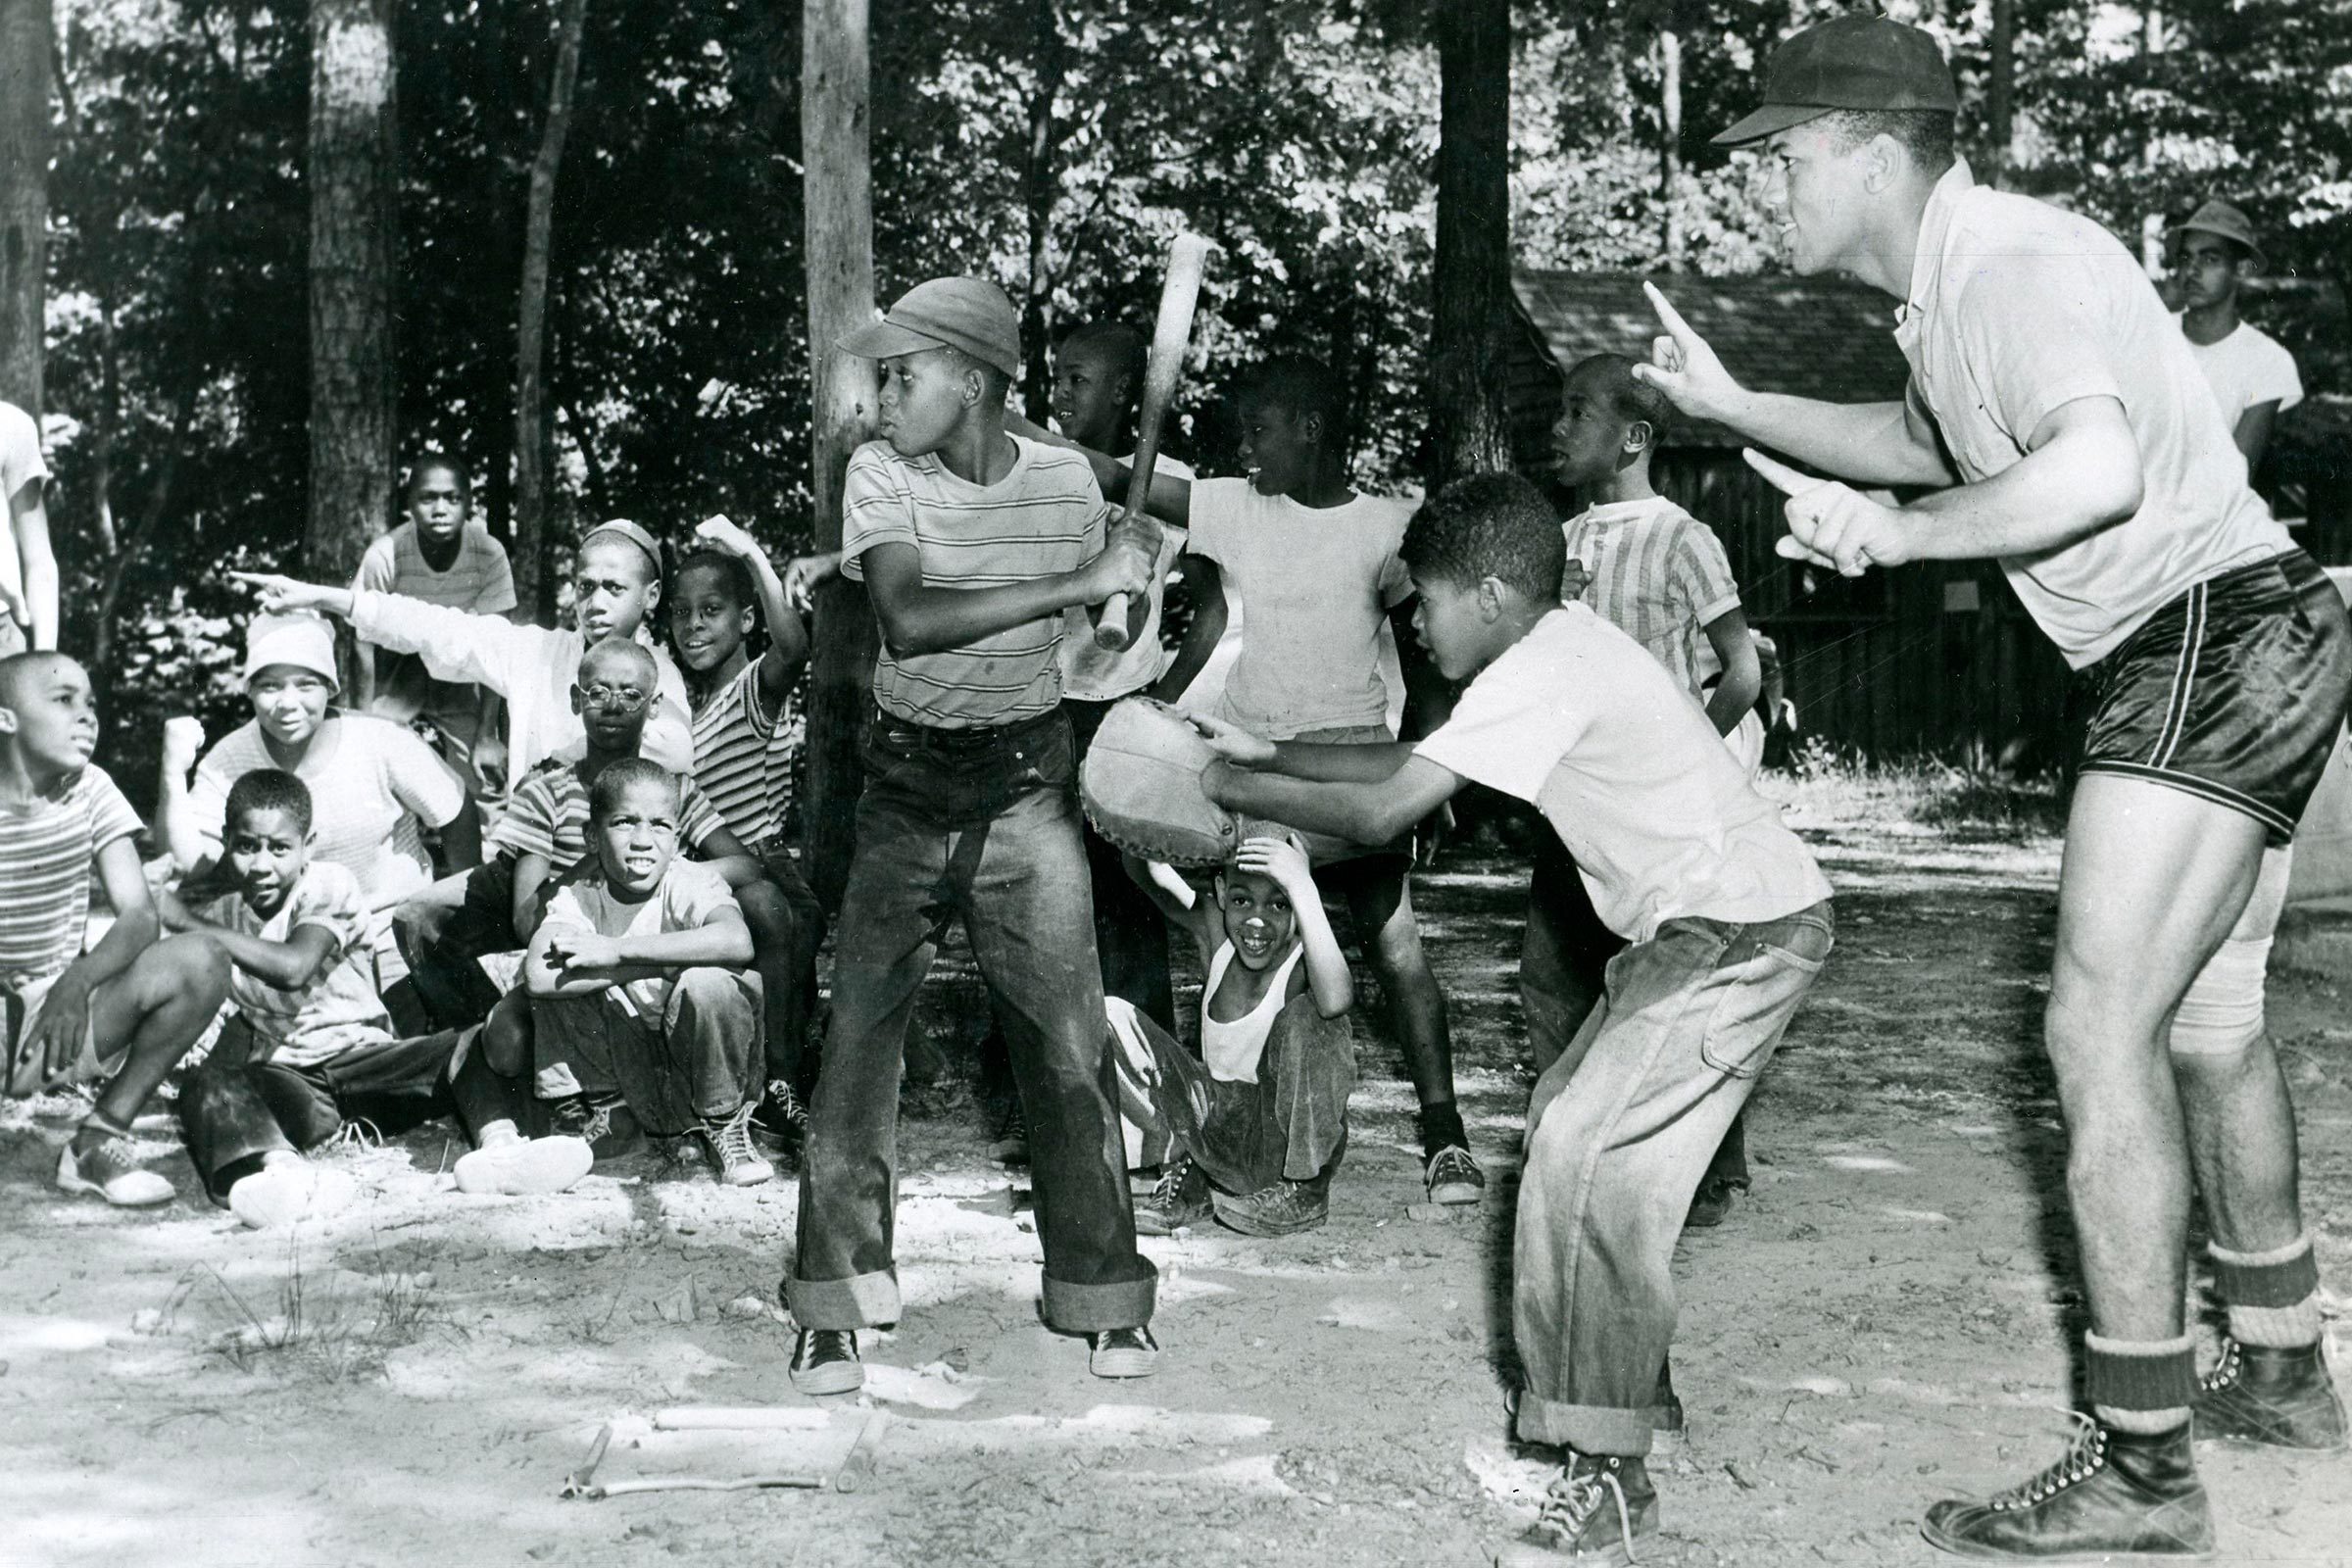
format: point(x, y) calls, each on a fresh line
point(24, 64)
point(1038, 186)
point(837, 202)
point(354, 182)
point(2002, 95)
point(1473, 262)
point(534, 582)
point(1670, 147)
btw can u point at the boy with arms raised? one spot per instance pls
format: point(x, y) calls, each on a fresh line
point(128, 1009)
point(1315, 560)
point(1727, 921)
point(973, 543)
point(309, 1046)
point(1251, 1128)
point(638, 978)
point(743, 756)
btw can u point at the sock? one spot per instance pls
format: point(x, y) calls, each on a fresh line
point(1441, 1127)
point(501, 1130)
point(2273, 1297)
point(2141, 1386)
point(99, 1127)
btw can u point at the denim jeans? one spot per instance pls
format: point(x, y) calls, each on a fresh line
point(981, 825)
point(1618, 1133)
point(1293, 1121)
point(698, 1063)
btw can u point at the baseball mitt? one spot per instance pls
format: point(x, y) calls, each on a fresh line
point(1141, 787)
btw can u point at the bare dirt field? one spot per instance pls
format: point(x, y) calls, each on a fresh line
point(1884, 1321)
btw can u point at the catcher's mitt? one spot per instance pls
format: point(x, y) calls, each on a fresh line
point(1140, 786)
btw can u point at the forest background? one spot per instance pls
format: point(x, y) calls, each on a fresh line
point(1053, 145)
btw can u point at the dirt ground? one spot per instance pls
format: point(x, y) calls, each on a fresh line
point(1885, 1320)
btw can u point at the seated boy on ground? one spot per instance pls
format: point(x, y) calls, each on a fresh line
point(1253, 1127)
point(639, 980)
point(124, 1012)
point(1727, 921)
point(309, 1047)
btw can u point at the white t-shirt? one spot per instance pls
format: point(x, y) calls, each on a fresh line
point(20, 465)
point(1093, 674)
point(689, 895)
point(340, 1008)
point(1578, 720)
point(2247, 368)
point(1320, 582)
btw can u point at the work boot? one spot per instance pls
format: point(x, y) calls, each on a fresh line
point(2259, 1394)
point(1179, 1198)
point(1592, 1514)
point(2116, 1494)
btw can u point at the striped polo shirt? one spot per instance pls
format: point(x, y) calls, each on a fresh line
point(45, 856)
point(549, 815)
point(1043, 518)
point(742, 757)
point(1659, 575)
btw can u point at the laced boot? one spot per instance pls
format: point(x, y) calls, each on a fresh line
point(1600, 1506)
point(2283, 1399)
point(1180, 1197)
point(2115, 1496)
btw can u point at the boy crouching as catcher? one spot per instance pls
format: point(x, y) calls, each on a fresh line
point(1727, 920)
point(973, 543)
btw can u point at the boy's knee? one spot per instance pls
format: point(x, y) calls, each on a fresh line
point(506, 1037)
point(193, 967)
point(711, 988)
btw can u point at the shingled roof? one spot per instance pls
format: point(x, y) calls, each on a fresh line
point(1816, 337)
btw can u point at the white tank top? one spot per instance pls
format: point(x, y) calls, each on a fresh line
point(1232, 1050)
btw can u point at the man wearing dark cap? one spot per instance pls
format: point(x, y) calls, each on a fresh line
point(973, 543)
point(2056, 414)
point(2252, 374)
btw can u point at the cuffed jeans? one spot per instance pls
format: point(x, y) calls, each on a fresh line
point(1618, 1133)
point(697, 1063)
point(1291, 1123)
point(983, 825)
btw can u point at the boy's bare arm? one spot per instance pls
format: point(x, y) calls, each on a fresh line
point(722, 942)
point(489, 755)
point(917, 619)
point(787, 636)
point(544, 973)
point(532, 874)
point(1363, 811)
point(286, 966)
point(2253, 437)
point(1742, 671)
point(1207, 583)
point(39, 563)
point(1285, 861)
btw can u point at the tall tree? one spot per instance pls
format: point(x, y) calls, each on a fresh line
point(1472, 269)
point(1670, 147)
point(354, 187)
point(838, 214)
point(25, 66)
point(535, 585)
point(2000, 94)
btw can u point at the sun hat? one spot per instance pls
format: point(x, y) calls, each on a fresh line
point(1850, 62)
point(2231, 223)
point(302, 641)
point(970, 314)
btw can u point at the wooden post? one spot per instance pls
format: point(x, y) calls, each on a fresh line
point(354, 184)
point(837, 204)
point(535, 586)
point(24, 67)
point(1473, 262)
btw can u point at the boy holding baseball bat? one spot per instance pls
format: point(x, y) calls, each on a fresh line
point(973, 543)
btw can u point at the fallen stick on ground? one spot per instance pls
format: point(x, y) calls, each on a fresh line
point(856, 1469)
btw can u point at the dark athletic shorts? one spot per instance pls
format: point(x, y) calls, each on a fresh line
point(2235, 691)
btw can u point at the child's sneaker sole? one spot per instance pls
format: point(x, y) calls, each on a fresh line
point(834, 1377)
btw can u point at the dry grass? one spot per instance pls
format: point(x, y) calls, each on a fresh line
point(1967, 795)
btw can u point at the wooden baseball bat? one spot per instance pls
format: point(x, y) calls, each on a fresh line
point(1179, 294)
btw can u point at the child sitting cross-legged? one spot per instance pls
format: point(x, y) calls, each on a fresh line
point(639, 980)
point(310, 1049)
point(1253, 1127)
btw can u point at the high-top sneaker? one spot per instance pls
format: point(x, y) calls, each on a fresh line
point(782, 1118)
point(2259, 1394)
point(2116, 1496)
point(1600, 1504)
point(825, 1362)
point(1180, 1197)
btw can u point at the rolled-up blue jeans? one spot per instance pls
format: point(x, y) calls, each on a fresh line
point(1619, 1131)
point(981, 825)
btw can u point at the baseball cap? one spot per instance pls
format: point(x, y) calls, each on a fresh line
point(303, 641)
point(970, 314)
point(624, 528)
point(1850, 62)
point(2220, 217)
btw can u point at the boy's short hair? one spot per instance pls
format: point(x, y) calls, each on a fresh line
point(732, 574)
point(17, 671)
point(995, 384)
point(619, 647)
point(1487, 525)
point(1122, 345)
point(1303, 384)
point(1925, 133)
point(1627, 395)
point(435, 462)
point(268, 788)
point(617, 777)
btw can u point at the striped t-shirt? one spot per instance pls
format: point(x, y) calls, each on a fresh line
point(549, 815)
point(45, 856)
point(1659, 575)
point(478, 582)
point(1043, 518)
point(742, 757)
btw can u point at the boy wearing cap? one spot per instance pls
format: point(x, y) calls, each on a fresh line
point(28, 565)
point(2252, 373)
point(2088, 457)
point(973, 543)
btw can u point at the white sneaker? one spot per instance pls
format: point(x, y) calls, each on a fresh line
point(289, 1191)
point(111, 1172)
point(520, 1166)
